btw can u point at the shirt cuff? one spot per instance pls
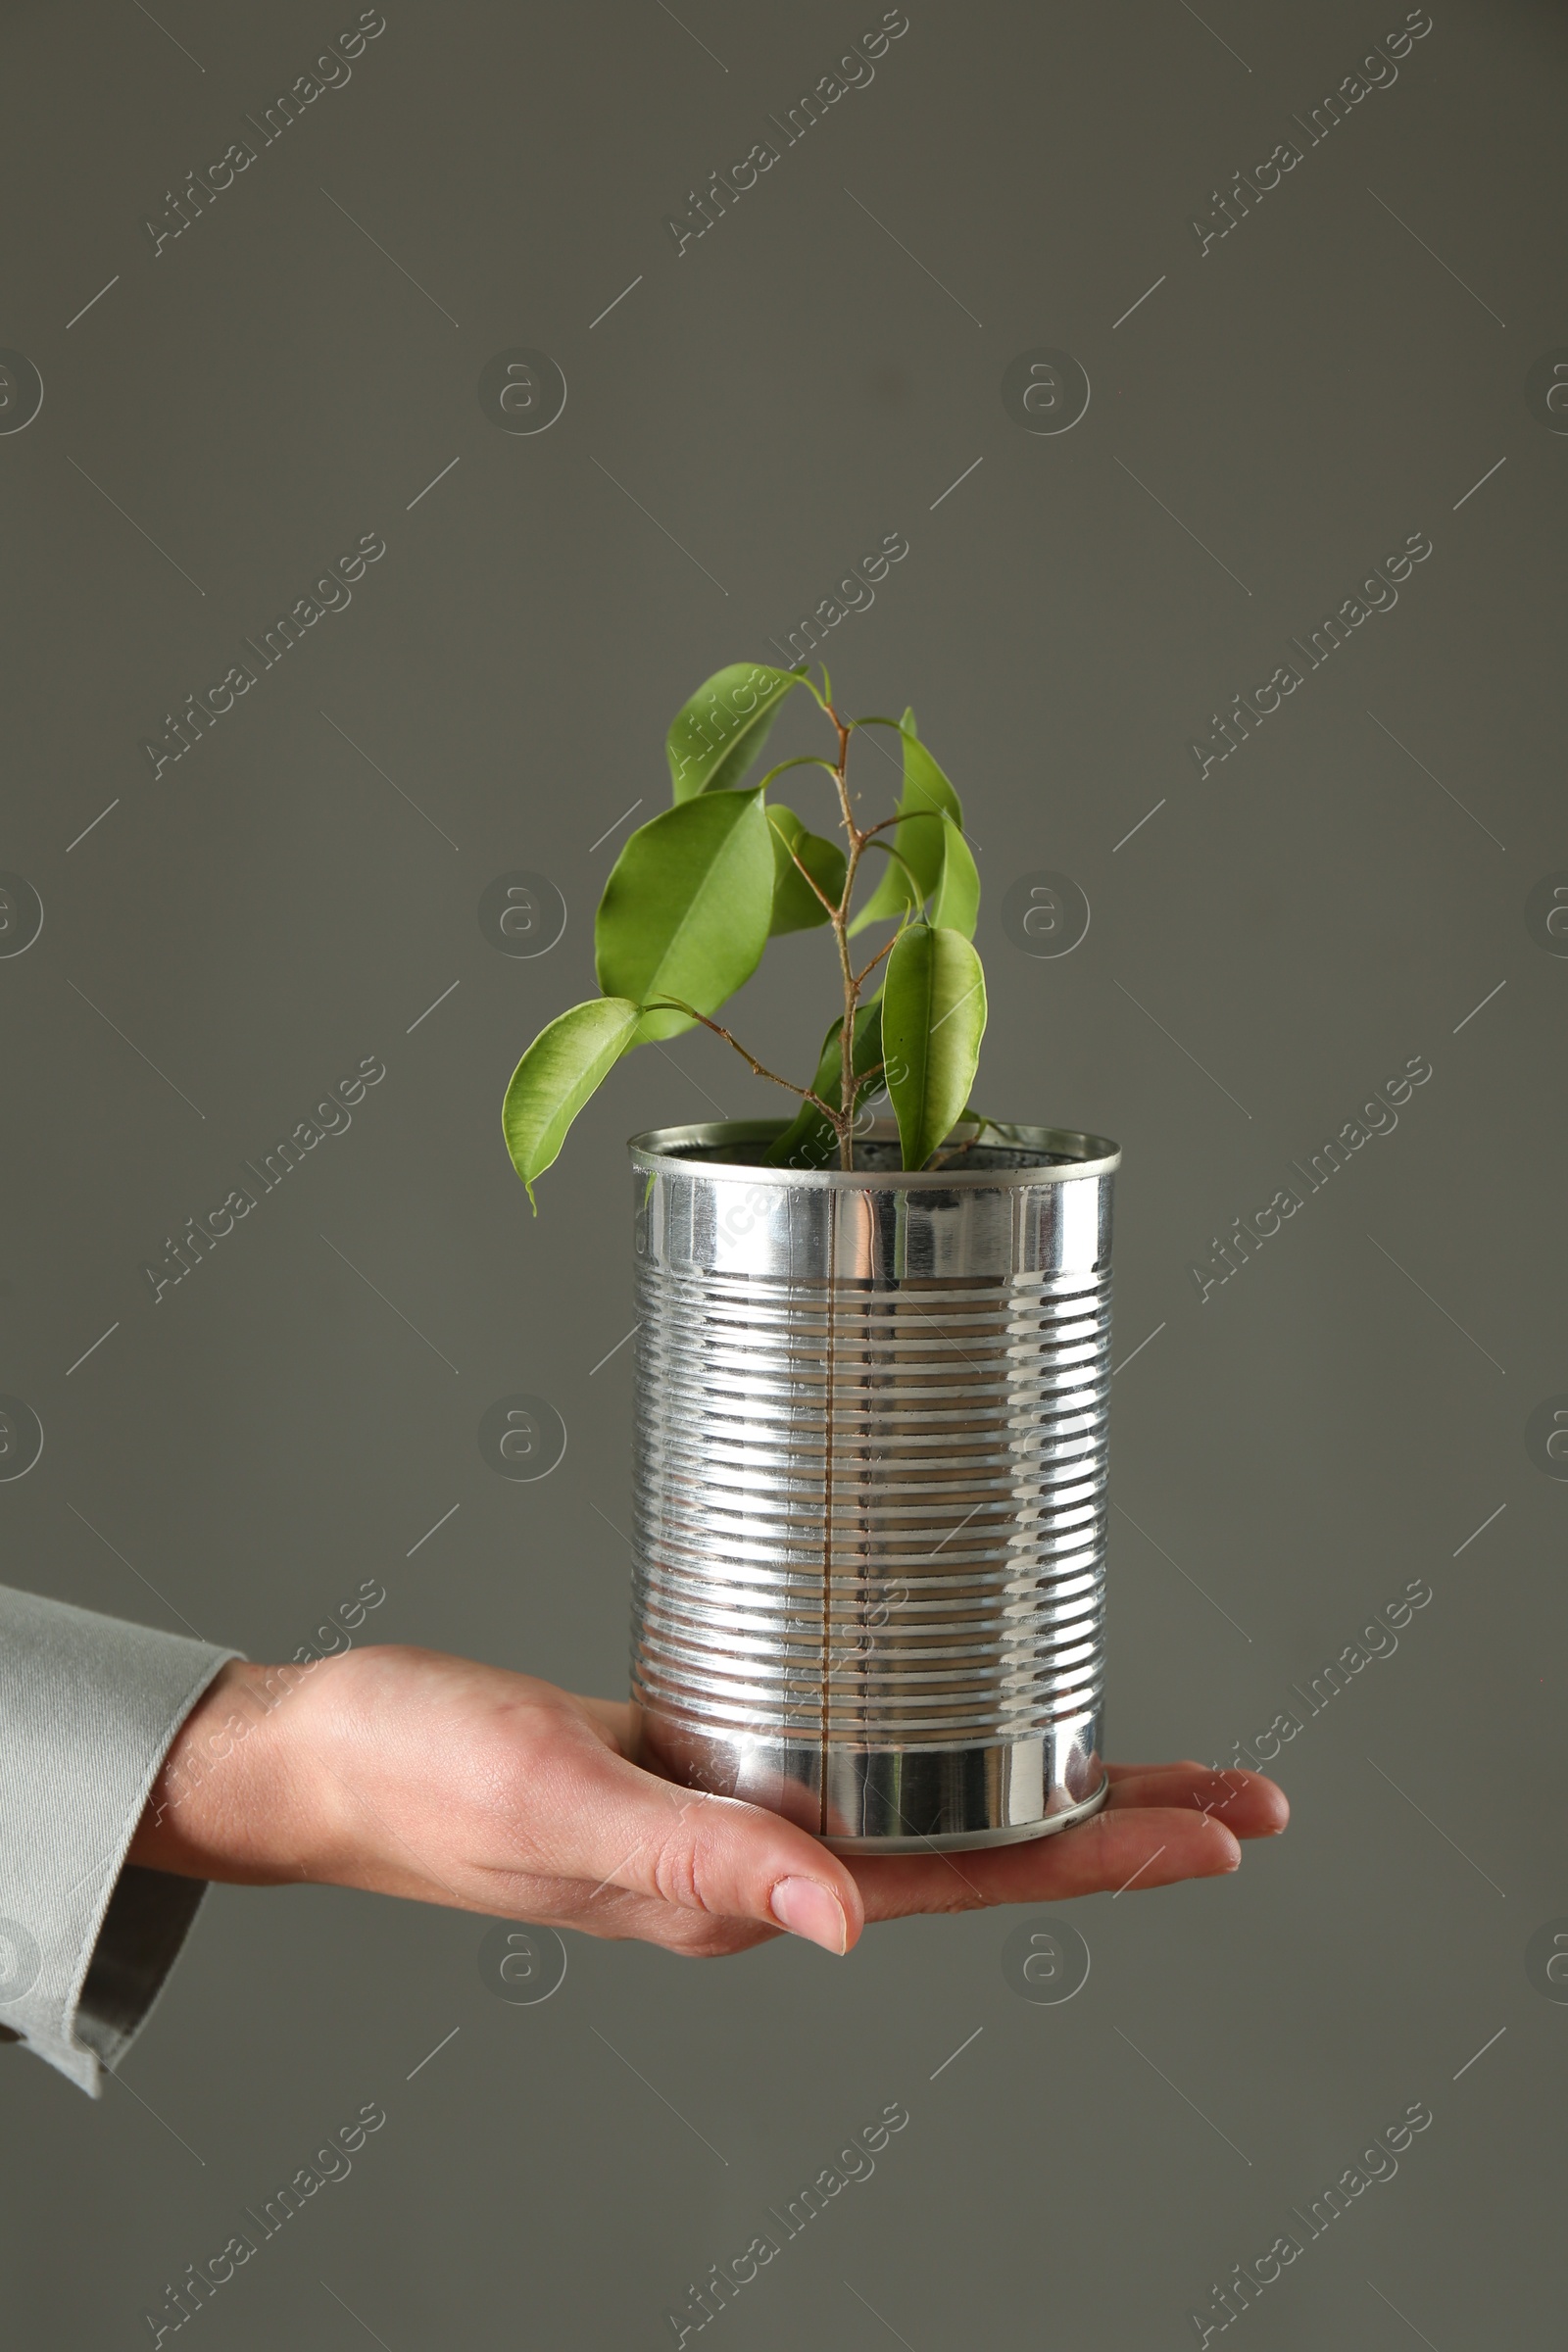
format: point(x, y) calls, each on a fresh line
point(89, 1706)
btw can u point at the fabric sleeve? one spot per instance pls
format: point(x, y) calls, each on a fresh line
point(88, 1707)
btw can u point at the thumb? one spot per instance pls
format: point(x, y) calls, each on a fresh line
point(714, 1855)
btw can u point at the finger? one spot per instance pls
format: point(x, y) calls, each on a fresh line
point(1248, 1802)
point(614, 1824)
point(1115, 1851)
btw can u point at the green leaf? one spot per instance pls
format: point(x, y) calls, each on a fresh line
point(927, 796)
point(810, 1140)
point(796, 904)
point(686, 909)
point(956, 901)
point(556, 1077)
point(933, 1019)
point(713, 738)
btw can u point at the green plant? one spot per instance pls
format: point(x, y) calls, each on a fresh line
point(695, 895)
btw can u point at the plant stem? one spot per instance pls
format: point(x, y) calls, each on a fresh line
point(866, 971)
point(760, 1069)
point(843, 1121)
point(805, 868)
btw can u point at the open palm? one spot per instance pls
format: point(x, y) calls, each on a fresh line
point(414, 1774)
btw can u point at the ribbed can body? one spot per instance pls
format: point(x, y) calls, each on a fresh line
point(870, 1482)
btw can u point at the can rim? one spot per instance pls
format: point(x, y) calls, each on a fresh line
point(666, 1150)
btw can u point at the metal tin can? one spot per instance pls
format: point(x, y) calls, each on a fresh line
point(871, 1481)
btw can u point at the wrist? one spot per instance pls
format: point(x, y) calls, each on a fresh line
point(231, 1801)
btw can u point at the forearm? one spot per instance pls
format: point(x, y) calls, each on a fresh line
point(231, 1801)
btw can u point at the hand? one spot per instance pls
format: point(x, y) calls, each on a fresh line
point(409, 1773)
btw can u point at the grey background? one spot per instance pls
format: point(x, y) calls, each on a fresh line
point(780, 396)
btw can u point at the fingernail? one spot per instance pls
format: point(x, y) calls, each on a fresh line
point(807, 1908)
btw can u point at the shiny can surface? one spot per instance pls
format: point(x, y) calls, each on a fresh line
point(871, 1481)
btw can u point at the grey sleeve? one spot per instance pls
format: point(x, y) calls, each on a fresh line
point(88, 1707)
